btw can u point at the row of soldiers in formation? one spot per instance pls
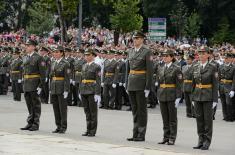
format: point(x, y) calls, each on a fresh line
point(137, 76)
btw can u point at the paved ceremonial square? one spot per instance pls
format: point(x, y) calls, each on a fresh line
point(113, 129)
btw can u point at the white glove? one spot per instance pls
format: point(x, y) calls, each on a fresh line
point(19, 80)
point(193, 103)
point(156, 84)
point(102, 84)
point(39, 90)
point(114, 85)
point(97, 99)
point(7, 74)
point(124, 85)
point(231, 94)
point(80, 97)
point(73, 83)
point(177, 102)
point(120, 84)
point(65, 94)
point(214, 104)
point(10, 80)
point(46, 79)
point(146, 93)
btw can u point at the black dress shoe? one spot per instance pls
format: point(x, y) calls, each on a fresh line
point(164, 141)
point(204, 148)
point(139, 139)
point(26, 127)
point(56, 131)
point(33, 128)
point(198, 146)
point(91, 135)
point(152, 106)
point(62, 131)
point(85, 134)
point(189, 116)
point(130, 139)
point(171, 142)
point(129, 109)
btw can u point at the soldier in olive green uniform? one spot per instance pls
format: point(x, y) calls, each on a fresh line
point(233, 100)
point(153, 101)
point(77, 75)
point(187, 85)
point(216, 65)
point(204, 97)
point(120, 81)
point(138, 81)
point(34, 77)
point(59, 88)
point(16, 75)
point(4, 71)
point(44, 96)
point(227, 87)
point(169, 78)
point(90, 90)
point(70, 59)
point(110, 76)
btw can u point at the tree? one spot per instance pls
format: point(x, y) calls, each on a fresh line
point(224, 34)
point(126, 17)
point(193, 25)
point(178, 17)
point(41, 20)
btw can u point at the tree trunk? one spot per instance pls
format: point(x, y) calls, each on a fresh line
point(62, 21)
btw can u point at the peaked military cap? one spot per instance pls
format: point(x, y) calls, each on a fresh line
point(31, 42)
point(139, 34)
point(58, 48)
point(90, 52)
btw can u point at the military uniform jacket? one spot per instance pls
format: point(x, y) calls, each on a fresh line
point(33, 65)
point(16, 69)
point(171, 77)
point(188, 78)
point(47, 60)
point(110, 72)
point(139, 61)
point(4, 65)
point(90, 79)
point(122, 70)
point(60, 77)
point(226, 78)
point(155, 67)
point(71, 66)
point(205, 76)
point(77, 75)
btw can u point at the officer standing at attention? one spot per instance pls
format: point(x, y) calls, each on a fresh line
point(4, 70)
point(16, 75)
point(138, 81)
point(59, 87)
point(169, 78)
point(90, 90)
point(227, 86)
point(70, 59)
point(44, 96)
point(204, 97)
point(212, 61)
point(77, 75)
point(110, 77)
point(34, 78)
point(187, 84)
